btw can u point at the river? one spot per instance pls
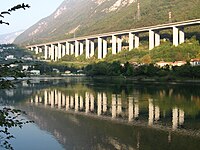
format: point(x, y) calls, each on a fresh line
point(81, 113)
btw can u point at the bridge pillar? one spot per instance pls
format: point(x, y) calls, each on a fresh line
point(130, 109)
point(81, 48)
point(72, 49)
point(114, 44)
point(52, 52)
point(56, 52)
point(67, 103)
point(104, 102)
point(87, 49)
point(105, 48)
point(181, 35)
point(151, 113)
point(67, 48)
point(76, 48)
point(99, 104)
point(175, 36)
point(151, 39)
point(99, 48)
point(119, 44)
point(114, 104)
point(157, 38)
point(45, 52)
point(36, 50)
point(59, 51)
point(91, 48)
point(131, 46)
point(87, 102)
point(76, 103)
point(137, 40)
point(32, 48)
point(63, 50)
point(40, 50)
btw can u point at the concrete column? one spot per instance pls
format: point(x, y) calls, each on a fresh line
point(181, 35)
point(59, 51)
point(91, 102)
point(119, 44)
point(81, 48)
point(119, 105)
point(104, 102)
point(36, 99)
point(63, 100)
point(175, 118)
point(91, 48)
point(181, 117)
point(76, 102)
point(49, 51)
point(56, 97)
point(99, 104)
point(32, 48)
point(76, 48)
point(114, 103)
point(59, 100)
point(151, 39)
point(81, 102)
point(63, 50)
point(136, 110)
point(131, 41)
point(175, 36)
point(130, 109)
point(67, 103)
point(45, 98)
point(87, 102)
point(67, 48)
point(52, 52)
point(72, 49)
point(157, 38)
point(52, 99)
point(157, 113)
point(151, 113)
point(40, 50)
point(71, 102)
point(99, 48)
point(105, 48)
point(36, 50)
point(114, 44)
point(87, 49)
point(45, 52)
point(56, 53)
point(137, 40)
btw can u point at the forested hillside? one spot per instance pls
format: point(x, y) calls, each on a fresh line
point(86, 17)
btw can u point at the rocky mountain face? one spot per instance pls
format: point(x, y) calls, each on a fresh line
point(86, 17)
point(10, 37)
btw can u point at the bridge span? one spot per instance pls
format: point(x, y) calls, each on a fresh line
point(87, 44)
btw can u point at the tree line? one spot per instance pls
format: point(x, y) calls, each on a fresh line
point(145, 71)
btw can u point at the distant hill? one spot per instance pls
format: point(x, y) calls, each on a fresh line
point(86, 17)
point(10, 37)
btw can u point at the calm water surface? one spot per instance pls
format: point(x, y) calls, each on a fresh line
point(80, 113)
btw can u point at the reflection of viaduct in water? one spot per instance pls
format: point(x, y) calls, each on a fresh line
point(100, 105)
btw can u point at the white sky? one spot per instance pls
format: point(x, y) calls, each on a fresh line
point(23, 19)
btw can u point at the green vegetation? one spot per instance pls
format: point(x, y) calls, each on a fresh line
point(165, 52)
point(91, 19)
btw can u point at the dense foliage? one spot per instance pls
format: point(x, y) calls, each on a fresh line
point(145, 71)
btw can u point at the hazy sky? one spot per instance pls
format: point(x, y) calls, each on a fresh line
point(22, 19)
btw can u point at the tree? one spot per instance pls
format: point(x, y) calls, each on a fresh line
point(9, 118)
point(9, 11)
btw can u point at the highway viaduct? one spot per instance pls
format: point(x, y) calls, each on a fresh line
point(77, 46)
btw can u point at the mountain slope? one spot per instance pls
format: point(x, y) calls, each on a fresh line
point(10, 37)
point(86, 17)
